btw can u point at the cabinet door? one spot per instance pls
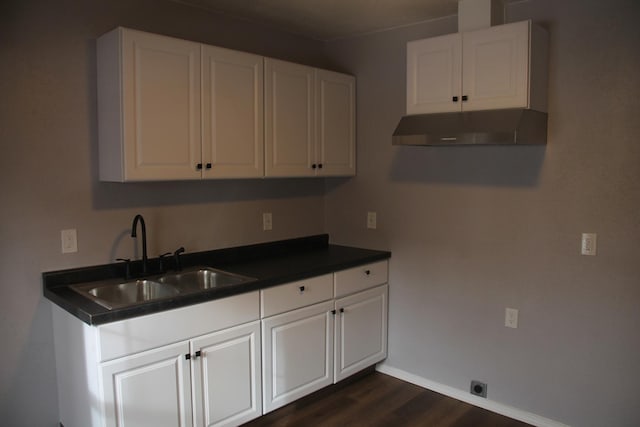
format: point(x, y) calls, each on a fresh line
point(232, 113)
point(335, 124)
point(434, 75)
point(361, 331)
point(496, 67)
point(297, 354)
point(226, 376)
point(289, 119)
point(161, 107)
point(148, 389)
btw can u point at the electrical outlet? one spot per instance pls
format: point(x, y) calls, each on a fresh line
point(267, 221)
point(511, 318)
point(589, 243)
point(372, 220)
point(69, 239)
point(478, 388)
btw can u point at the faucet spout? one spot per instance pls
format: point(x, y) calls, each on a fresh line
point(134, 226)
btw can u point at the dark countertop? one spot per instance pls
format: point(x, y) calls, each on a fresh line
point(270, 264)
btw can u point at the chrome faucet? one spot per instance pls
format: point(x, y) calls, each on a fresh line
point(138, 218)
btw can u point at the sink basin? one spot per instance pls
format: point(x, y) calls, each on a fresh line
point(110, 295)
point(202, 278)
point(125, 294)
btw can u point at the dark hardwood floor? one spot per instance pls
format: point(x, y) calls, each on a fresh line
point(376, 399)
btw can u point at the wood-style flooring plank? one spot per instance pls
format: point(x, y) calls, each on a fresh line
point(378, 400)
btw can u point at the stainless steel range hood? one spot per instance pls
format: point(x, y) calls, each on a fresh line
point(518, 126)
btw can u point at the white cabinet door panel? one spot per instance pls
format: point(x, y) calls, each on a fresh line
point(232, 109)
point(127, 383)
point(226, 376)
point(433, 74)
point(361, 331)
point(289, 119)
point(161, 106)
point(496, 67)
point(297, 354)
point(335, 124)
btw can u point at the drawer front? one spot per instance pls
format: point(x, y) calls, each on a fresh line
point(154, 330)
point(362, 277)
point(295, 295)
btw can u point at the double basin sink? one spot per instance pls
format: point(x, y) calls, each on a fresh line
point(113, 295)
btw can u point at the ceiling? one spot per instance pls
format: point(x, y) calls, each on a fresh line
point(331, 19)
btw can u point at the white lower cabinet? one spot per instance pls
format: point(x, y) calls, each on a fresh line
point(308, 345)
point(360, 331)
point(213, 380)
point(222, 362)
point(297, 354)
point(226, 376)
point(192, 366)
point(148, 389)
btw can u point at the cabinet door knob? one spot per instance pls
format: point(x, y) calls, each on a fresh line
point(465, 98)
point(198, 354)
point(319, 165)
point(301, 289)
point(367, 272)
point(342, 310)
point(187, 356)
point(455, 99)
point(313, 166)
point(199, 166)
point(333, 312)
point(208, 165)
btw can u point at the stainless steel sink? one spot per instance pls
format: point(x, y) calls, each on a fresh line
point(117, 295)
point(125, 294)
point(202, 278)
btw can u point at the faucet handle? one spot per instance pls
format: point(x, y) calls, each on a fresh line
point(127, 271)
point(160, 261)
point(176, 257)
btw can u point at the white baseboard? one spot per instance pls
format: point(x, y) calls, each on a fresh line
point(498, 408)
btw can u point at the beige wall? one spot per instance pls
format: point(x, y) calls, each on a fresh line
point(476, 229)
point(48, 174)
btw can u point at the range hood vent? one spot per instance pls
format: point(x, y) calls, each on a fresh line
point(517, 126)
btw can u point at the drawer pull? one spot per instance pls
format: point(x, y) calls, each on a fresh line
point(301, 289)
point(367, 272)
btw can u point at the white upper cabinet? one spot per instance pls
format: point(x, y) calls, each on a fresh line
point(171, 109)
point(289, 119)
point(434, 68)
point(148, 107)
point(499, 67)
point(309, 121)
point(232, 113)
point(335, 124)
